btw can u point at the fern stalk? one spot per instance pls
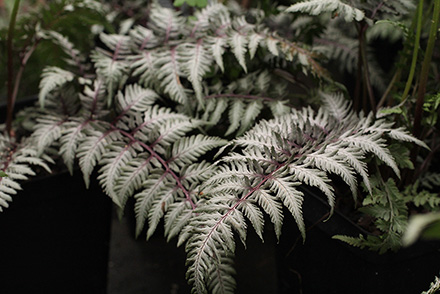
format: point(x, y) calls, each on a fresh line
point(363, 68)
point(164, 164)
point(424, 79)
point(403, 60)
point(424, 166)
point(425, 70)
point(391, 85)
point(11, 93)
point(415, 51)
point(357, 91)
point(8, 158)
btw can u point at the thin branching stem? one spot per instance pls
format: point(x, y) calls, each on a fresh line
point(376, 9)
point(435, 147)
point(390, 87)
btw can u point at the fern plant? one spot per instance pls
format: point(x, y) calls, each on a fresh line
point(147, 137)
point(277, 156)
point(351, 29)
point(196, 119)
point(349, 43)
point(21, 41)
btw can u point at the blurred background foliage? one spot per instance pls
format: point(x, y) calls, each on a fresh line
point(34, 17)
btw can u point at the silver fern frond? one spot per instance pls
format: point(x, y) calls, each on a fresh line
point(16, 164)
point(196, 62)
point(277, 156)
point(52, 78)
point(316, 7)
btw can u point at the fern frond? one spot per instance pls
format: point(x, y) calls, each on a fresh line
point(154, 94)
point(163, 128)
point(244, 107)
point(238, 43)
point(360, 241)
point(132, 177)
point(8, 188)
point(272, 45)
point(196, 62)
point(254, 43)
point(112, 67)
point(250, 114)
point(93, 100)
point(159, 207)
point(274, 208)
point(180, 213)
point(70, 137)
point(337, 106)
point(431, 180)
point(93, 146)
point(75, 58)
point(314, 178)
point(53, 77)
point(212, 17)
point(254, 214)
point(16, 162)
point(113, 161)
point(376, 145)
point(210, 251)
point(235, 114)
point(170, 71)
point(166, 23)
point(136, 98)
point(238, 40)
point(47, 131)
point(274, 158)
point(188, 149)
point(285, 190)
point(143, 38)
point(401, 134)
point(332, 163)
point(145, 152)
point(355, 158)
point(143, 68)
point(316, 7)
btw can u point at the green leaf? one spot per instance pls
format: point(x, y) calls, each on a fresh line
point(401, 156)
point(178, 3)
point(192, 3)
point(3, 174)
point(392, 110)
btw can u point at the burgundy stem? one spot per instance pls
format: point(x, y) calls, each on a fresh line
point(164, 164)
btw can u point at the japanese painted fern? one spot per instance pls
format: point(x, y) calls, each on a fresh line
point(276, 157)
point(164, 97)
